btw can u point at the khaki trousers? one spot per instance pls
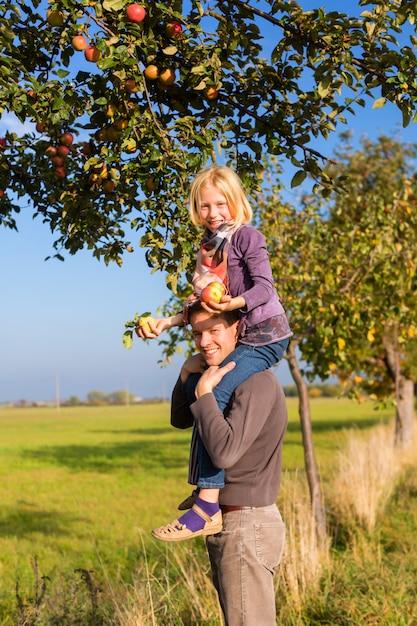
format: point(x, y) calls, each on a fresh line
point(243, 559)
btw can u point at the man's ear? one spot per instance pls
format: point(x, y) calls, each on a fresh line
point(237, 330)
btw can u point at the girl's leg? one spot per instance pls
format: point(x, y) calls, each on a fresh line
point(249, 360)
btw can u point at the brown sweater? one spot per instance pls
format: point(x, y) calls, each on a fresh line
point(247, 443)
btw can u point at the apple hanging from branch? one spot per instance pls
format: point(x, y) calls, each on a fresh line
point(135, 13)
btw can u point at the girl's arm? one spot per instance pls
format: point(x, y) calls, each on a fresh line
point(158, 326)
point(258, 286)
point(227, 303)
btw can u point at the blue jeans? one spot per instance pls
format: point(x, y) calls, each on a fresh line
point(249, 360)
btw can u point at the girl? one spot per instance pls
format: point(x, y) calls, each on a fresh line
point(234, 253)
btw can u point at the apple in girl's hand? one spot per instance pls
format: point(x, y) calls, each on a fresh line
point(145, 321)
point(138, 322)
point(213, 292)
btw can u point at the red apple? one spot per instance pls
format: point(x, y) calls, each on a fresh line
point(60, 172)
point(79, 43)
point(87, 150)
point(3, 142)
point(51, 151)
point(130, 85)
point(1, 193)
point(57, 161)
point(40, 127)
point(63, 150)
point(212, 93)
point(151, 72)
point(135, 13)
point(108, 186)
point(167, 77)
point(174, 29)
point(67, 139)
point(92, 54)
point(213, 292)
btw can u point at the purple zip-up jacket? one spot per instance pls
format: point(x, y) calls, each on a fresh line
point(250, 276)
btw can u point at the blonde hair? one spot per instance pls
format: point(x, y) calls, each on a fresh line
point(230, 185)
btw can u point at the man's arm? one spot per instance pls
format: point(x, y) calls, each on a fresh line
point(181, 416)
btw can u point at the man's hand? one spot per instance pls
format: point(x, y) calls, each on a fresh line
point(211, 377)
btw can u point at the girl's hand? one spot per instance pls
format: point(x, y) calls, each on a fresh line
point(227, 303)
point(152, 329)
point(155, 327)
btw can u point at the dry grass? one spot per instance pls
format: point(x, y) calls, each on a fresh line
point(176, 590)
point(368, 471)
point(304, 559)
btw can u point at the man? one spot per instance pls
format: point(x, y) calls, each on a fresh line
point(247, 442)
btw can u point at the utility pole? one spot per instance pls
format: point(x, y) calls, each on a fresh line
point(57, 401)
point(127, 394)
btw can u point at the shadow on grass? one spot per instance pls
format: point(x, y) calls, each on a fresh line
point(23, 519)
point(342, 424)
point(150, 455)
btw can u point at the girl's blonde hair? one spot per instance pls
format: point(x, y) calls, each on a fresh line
point(230, 185)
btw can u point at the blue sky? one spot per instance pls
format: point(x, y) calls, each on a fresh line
point(61, 323)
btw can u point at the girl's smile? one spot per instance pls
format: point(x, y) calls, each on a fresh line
point(213, 208)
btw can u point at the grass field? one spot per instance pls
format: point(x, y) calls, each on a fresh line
point(82, 488)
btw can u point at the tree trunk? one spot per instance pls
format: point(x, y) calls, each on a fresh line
point(404, 414)
point(404, 392)
point(307, 434)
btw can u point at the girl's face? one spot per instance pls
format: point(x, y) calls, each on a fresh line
point(213, 208)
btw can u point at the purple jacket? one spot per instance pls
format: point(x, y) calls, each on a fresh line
point(250, 276)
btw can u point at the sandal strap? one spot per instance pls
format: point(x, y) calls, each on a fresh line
point(172, 526)
point(201, 513)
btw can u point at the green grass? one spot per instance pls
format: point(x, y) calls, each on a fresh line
point(76, 485)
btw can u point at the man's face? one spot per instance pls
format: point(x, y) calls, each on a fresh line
point(214, 339)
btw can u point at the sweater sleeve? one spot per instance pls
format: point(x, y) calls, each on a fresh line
point(250, 246)
point(181, 416)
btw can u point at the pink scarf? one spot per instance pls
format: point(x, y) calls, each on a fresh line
point(211, 262)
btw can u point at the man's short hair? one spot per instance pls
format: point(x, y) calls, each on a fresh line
point(230, 317)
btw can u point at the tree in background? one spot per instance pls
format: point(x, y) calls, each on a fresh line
point(129, 101)
point(347, 269)
point(375, 220)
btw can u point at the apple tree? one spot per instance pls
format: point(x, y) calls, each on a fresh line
point(347, 270)
point(122, 103)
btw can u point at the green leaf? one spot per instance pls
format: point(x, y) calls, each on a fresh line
point(170, 50)
point(114, 5)
point(298, 178)
point(378, 104)
point(127, 339)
